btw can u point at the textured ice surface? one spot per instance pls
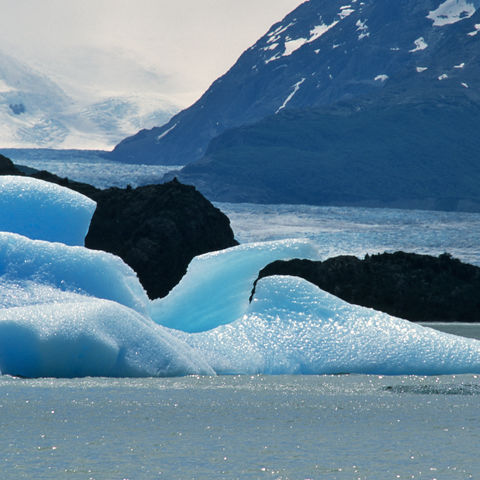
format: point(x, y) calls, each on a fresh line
point(67, 311)
point(43, 210)
point(77, 336)
point(76, 269)
point(294, 327)
point(216, 288)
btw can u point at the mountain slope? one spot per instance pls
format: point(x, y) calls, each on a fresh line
point(322, 53)
point(422, 155)
point(36, 112)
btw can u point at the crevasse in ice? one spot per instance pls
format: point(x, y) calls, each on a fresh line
point(66, 311)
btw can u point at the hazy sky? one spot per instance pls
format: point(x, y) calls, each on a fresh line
point(127, 45)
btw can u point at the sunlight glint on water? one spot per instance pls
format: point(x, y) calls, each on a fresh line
point(287, 427)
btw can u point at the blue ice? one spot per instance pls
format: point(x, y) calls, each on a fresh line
point(67, 311)
point(217, 286)
point(293, 327)
point(44, 211)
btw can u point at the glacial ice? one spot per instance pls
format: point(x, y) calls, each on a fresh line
point(75, 269)
point(67, 311)
point(77, 336)
point(217, 286)
point(293, 327)
point(44, 211)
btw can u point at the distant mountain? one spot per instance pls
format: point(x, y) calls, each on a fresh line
point(423, 156)
point(36, 112)
point(325, 52)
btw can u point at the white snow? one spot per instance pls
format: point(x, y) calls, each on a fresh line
point(275, 34)
point(381, 78)
point(315, 33)
point(451, 11)
point(44, 211)
point(319, 30)
point(293, 45)
point(273, 46)
point(477, 29)
point(166, 132)
point(465, 85)
point(443, 76)
point(296, 87)
point(420, 44)
point(272, 59)
point(421, 69)
point(345, 11)
point(48, 117)
point(460, 65)
point(363, 29)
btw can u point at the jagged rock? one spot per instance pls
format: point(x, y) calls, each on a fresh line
point(420, 288)
point(7, 167)
point(156, 229)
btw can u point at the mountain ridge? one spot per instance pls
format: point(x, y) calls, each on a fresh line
point(322, 53)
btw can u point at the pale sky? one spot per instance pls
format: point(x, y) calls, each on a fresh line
point(103, 46)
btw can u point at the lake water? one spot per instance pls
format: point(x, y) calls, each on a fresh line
point(286, 427)
point(278, 427)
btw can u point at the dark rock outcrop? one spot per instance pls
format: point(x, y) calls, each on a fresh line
point(7, 167)
point(156, 229)
point(420, 288)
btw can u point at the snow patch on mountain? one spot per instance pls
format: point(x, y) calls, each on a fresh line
point(451, 11)
point(477, 29)
point(345, 11)
point(296, 87)
point(420, 44)
point(166, 132)
point(363, 29)
point(316, 32)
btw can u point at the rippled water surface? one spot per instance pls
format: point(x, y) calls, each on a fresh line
point(287, 427)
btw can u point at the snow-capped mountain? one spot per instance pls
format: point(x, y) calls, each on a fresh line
point(36, 112)
point(323, 53)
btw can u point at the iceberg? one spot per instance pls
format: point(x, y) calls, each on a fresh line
point(69, 268)
point(66, 311)
point(79, 336)
point(293, 327)
point(44, 211)
point(217, 286)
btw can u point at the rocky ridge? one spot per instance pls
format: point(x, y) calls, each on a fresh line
point(419, 288)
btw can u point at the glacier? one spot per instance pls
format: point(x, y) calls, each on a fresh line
point(66, 311)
